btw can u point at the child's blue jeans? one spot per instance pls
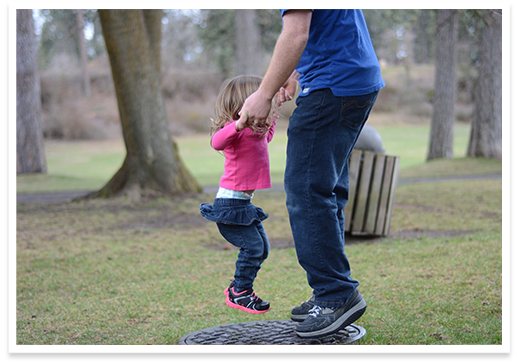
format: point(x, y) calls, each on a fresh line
point(240, 223)
point(321, 135)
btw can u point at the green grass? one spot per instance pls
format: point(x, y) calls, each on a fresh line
point(430, 291)
point(453, 167)
point(410, 142)
point(114, 272)
point(88, 165)
point(83, 165)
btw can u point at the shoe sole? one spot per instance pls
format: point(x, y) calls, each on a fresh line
point(243, 308)
point(299, 318)
point(343, 321)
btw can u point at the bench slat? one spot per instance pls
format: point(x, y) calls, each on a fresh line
point(374, 195)
point(372, 184)
point(391, 198)
point(363, 188)
point(353, 177)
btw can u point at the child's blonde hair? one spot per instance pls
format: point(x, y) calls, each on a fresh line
point(231, 99)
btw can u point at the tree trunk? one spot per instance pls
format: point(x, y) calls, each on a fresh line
point(30, 150)
point(422, 38)
point(152, 164)
point(486, 133)
point(442, 123)
point(248, 48)
point(153, 24)
point(82, 53)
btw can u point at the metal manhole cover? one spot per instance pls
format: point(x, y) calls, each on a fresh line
point(274, 332)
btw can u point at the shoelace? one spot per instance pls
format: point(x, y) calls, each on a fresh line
point(318, 310)
point(253, 297)
point(315, 311)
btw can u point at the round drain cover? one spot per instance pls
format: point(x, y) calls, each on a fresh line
point(267, 332)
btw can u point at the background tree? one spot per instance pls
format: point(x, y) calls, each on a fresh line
point(152, 164)
point(424, 21)
point(181, 44)
point(30, 151)
point(199, 51)
point(217, 33)
point(486, 133)
point(85, 77)
point(59, 44)
point(247, 42)
point(392, 33)
point(442, 122)
point(219, 36)
point(59, 37)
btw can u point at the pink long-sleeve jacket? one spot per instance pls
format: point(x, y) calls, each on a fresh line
point(247, 158)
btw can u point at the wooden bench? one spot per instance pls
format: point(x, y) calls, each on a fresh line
point(372, 184)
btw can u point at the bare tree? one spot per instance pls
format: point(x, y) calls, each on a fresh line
point(247, 42)
point(486, 133)
point(30, 150)
point(82, 53)
point(152, 164)
point(442, 123)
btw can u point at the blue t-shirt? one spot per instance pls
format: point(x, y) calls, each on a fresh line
point(339, 55)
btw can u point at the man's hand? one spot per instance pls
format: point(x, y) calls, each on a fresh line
point(254, 111)
point(288, 51)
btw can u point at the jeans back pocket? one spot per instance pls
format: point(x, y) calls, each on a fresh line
point(356, 109)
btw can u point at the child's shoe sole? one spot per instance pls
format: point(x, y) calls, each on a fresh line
point(243, 308)
point(231, 304)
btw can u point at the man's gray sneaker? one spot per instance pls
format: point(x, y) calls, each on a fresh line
point(300, 313)
point(324, 321)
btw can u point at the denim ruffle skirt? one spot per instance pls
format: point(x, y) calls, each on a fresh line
point(232, 211)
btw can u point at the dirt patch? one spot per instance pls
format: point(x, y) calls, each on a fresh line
point(354, 239)
point(182, 214)
point(181, 221)
point(48, 198)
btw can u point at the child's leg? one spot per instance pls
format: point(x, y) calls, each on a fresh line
point(265, 241)
point(254, 249)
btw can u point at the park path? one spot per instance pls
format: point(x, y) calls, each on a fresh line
point(58, 197)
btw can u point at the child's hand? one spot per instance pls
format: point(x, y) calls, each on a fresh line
point(272, 119)
point(283, 96)
point(288, 89)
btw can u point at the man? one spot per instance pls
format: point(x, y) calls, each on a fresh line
point(329, 52)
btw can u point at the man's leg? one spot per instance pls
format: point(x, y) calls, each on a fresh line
point(322, 133)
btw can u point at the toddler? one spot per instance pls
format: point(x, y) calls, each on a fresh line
point(246, 169)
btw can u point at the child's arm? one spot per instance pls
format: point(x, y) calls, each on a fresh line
point(224, 137)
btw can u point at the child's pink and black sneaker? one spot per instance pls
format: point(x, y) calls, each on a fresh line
point(245, 300)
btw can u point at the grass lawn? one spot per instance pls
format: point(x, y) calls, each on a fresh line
point(115, 272)
point(88, 165)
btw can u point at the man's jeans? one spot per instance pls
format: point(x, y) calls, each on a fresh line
point(321, 135)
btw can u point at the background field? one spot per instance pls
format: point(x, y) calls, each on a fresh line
point(105, 272)
point(88, 165)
